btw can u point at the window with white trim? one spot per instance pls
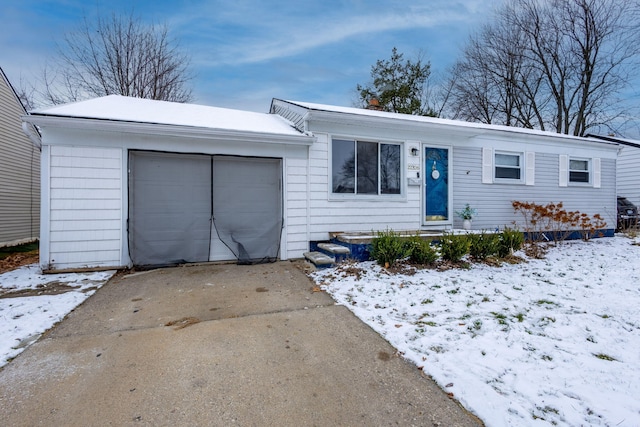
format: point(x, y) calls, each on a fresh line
point(579, 171)
point(365, 167)
point(508, 166)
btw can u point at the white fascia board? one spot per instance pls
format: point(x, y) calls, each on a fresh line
point(166, 130)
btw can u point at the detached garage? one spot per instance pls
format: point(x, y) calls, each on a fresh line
point(129, 181)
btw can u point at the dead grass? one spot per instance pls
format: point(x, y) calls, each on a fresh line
point(18, 259)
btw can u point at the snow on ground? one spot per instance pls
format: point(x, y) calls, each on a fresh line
point(546, 342)
point(23, 319)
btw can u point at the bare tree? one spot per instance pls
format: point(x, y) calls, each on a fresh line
point(118, 55)
point(26, 94)
point(557, 65)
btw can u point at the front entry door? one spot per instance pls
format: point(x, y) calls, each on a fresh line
point(436, 185)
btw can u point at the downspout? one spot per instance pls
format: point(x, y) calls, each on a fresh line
point(30, 131)
point(305, 130)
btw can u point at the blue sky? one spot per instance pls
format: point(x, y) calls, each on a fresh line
point(245, 52)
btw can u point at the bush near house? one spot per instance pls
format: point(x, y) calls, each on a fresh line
point(387, 248)
point(454, 246)
point(511, 240)
point(483, 245)
point(551, 222)
point(421, 252)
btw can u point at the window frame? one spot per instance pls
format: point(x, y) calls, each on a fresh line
point(362, 196)
point(521, 167)
point(588, 171)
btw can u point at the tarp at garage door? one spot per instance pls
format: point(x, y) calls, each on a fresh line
point(179, 205)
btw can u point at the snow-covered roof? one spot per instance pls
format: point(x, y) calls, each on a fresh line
point(138, 110)
point(362, 112)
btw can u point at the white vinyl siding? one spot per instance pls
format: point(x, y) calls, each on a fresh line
point(19, 174)
point(494, 209)
point(85, 207)
point(295, 204)
point(628, 177)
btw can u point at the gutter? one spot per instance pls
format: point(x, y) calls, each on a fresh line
point(33, 135)
point(166, 130)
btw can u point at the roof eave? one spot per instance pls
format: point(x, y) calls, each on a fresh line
point(466, 130)
point(162, 129)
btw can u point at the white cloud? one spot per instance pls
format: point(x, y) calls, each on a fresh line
point(235, 36)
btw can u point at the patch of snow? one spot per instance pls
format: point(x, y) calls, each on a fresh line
point(130, 109)
point(24, 319)
point(546, 342)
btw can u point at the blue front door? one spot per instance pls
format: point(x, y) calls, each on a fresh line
point(436, 182)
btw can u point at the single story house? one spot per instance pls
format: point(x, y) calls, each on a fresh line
point(19, 171)
point(130, 181)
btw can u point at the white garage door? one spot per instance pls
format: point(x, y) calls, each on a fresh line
point(194, 208)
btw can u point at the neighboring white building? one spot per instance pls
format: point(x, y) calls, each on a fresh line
point(628, 168)
point(132, 181)
point(19, 171)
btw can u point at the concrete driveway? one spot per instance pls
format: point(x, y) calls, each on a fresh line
point(218, 345)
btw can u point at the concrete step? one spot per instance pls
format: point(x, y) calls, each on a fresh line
point(339, 252)
point(334, 248)
point(319, 259)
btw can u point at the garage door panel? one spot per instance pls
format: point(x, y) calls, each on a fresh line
point(170, 203)
point(247, 206)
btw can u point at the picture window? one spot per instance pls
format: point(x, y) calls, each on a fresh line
point(364, 167)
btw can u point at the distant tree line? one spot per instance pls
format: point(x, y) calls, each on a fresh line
point(557, 65)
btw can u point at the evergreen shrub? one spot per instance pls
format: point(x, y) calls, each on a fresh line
point(511, 240)
point(421, 251)
point(387, 248)
point(483, 245)
point(454, 246)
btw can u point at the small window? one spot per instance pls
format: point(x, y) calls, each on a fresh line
point(363, 167)
point(508, 166)
point(579, 171)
